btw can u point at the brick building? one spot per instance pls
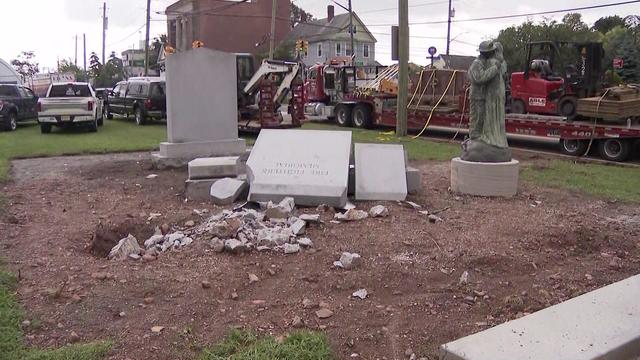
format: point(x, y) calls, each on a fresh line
point(228, 25)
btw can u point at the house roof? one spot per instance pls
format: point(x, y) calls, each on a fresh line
point(336, 29)
point(457, 62)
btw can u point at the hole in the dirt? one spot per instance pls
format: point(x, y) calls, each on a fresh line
point(107, 235)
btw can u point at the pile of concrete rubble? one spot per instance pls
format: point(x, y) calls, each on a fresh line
point(268, 226)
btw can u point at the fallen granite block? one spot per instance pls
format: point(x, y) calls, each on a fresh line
point(414, 180)
point(226, 191)
point(214, 167)
point(124, 248)
point(199, 190)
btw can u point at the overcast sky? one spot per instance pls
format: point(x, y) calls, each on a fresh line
point(48, 27)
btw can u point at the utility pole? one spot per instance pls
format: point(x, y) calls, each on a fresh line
point(272, 35)
point(104, 29)
point(146, 42)
point(84, 46)
point(353, 50)
point(449, 27)
point(403, 64)
point(75, 60)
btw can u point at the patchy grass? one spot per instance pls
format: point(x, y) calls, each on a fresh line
point(608, 181)
point(11, 341)
point(245, 345)
point(418, 149)
point(118, 135)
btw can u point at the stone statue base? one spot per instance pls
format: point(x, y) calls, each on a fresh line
point(479, 151)
point(484, 178)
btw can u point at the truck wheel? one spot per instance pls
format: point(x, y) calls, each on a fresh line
point(45, 128)
point(101, 120)
point(615, 149)
point(343, 115)
point(517, 107)
point(11, 122)
point(574, 147)
point(140, 118)
point(567, 107)
point(109, 114)
point(362, 116)
point(93, 127)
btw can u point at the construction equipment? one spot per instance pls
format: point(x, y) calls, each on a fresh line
point(540, 90)
point(274, 84)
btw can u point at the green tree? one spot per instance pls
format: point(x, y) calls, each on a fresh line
point(631, 60)
point(66, 66)
point(154, 50)
point(25, 65)
point(298, 15)
point(95, 66)
point(607, 23)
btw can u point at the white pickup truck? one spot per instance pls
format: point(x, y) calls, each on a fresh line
point(69, 104)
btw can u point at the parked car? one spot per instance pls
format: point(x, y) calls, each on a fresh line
point(17, 103)
point(69, 104)
point(142, 97)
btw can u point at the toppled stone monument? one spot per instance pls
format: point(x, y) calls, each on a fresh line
point(202, 114)
point(380, 172)
point(311, 166)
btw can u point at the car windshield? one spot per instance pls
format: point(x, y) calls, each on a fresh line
point(70, 90)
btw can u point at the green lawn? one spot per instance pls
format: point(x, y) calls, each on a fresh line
point(418, 149)
point(244, 345)
point(118, 135)
point(608, 181)
point(11, 342)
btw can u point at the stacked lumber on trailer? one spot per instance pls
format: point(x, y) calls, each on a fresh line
point(429, 86)
point(619, 103)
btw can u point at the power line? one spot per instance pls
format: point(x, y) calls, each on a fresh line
point(128, 36)
point(395, 8)
point(519, 15)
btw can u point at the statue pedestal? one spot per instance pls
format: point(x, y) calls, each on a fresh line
point(484, 178)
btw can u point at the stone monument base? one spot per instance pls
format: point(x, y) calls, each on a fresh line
point(174, 155)
point(484, 178)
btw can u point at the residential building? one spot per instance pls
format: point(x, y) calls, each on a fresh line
point(234, 26)
point(330, 40)
point(133, 62)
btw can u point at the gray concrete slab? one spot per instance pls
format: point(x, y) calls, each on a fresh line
point(227, 191)
point(214, 167)
point(199, 190)
point(311, 166)
point(603, 324)
point(380, 172)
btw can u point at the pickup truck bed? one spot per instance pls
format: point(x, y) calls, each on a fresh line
point(69, 104)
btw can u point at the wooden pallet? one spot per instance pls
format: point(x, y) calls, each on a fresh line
point(609, 109)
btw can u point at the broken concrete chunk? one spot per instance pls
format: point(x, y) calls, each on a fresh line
point(152, 241)
point(177, 236)
point(324, 313)
point(310, 217)
point(378, 211)
point(352, 215)
point(305, 242)
point(434, 219)
point(291, 248)
point(124, 248)
point(348, 261)
point(216, 245)
point(226, 191)
point(298, 227)
point(360, 294)
point(234, 246)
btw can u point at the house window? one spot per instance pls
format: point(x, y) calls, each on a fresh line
point(319, 50)
point(338, 49)
point(365, 50)
point(347, 49)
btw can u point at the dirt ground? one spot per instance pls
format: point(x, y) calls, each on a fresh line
point(522, 254)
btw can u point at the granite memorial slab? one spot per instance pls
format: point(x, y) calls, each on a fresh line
point(202, 114)
point(312, 166)
point(380, 172)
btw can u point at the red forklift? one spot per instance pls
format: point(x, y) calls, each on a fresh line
point(541, 90)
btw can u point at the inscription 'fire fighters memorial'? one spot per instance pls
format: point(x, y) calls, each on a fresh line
point(309, 165)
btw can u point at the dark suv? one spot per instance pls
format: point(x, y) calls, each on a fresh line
point(17, 103)
point(142, 97)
